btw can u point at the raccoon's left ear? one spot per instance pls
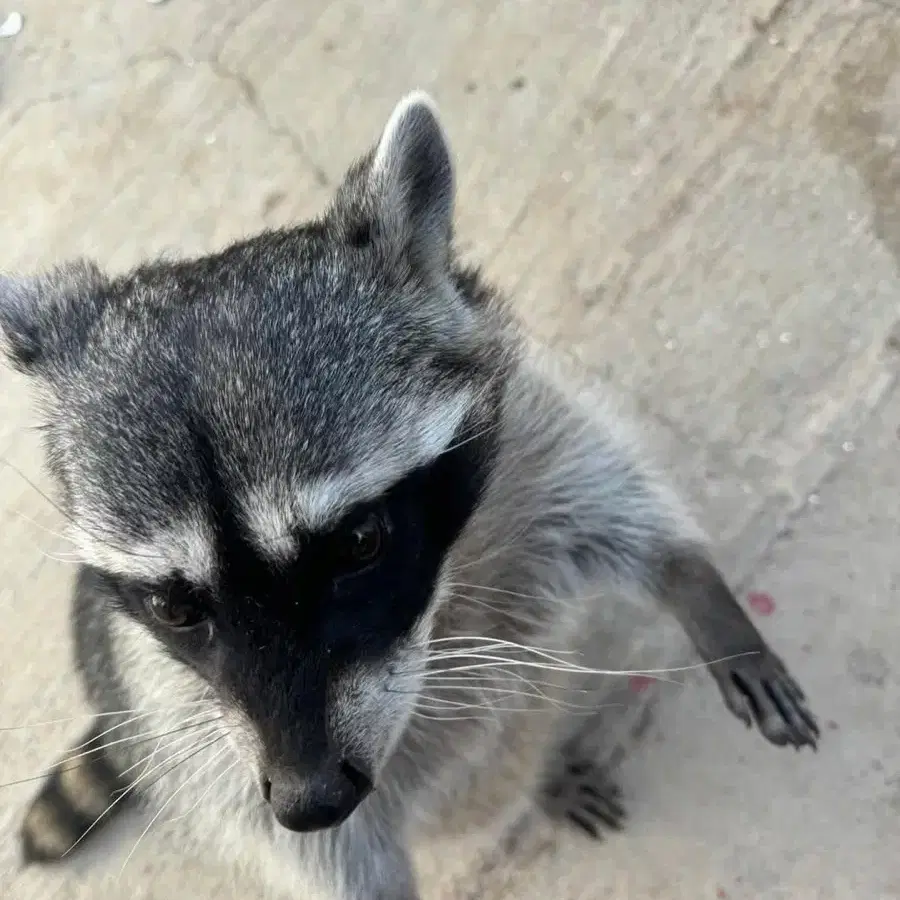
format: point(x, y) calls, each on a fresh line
point(45, 319)
point(408, 185)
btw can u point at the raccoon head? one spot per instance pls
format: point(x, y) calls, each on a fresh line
point(269, 453)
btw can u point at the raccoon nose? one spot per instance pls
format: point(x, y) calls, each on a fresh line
point(323, 798)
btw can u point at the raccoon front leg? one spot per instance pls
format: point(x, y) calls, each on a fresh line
point(754, 682)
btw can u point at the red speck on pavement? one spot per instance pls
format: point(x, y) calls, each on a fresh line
point(639, 683)
point(722, 894)
point(761, 603)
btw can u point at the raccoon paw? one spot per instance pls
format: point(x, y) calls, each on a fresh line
point(759, 689)
point(583, 795)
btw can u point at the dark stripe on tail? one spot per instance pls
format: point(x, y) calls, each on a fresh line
point(75, 795)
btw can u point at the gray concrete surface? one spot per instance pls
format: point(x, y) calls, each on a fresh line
point(701, 197)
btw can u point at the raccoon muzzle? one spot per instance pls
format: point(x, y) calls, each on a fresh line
point(78, 797)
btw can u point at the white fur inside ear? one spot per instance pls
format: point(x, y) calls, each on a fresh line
point(395, 134)
point(412, 182)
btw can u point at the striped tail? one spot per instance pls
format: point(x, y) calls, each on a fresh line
point(76, 798)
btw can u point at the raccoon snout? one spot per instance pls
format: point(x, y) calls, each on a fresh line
point(310, 801)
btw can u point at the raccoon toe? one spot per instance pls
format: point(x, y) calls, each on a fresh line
point(584, 796)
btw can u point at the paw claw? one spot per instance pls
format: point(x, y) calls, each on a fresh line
point(585, 825)
point(610, 792)
point(613, 815)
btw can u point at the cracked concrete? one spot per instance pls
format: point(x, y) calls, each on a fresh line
point(702, 199)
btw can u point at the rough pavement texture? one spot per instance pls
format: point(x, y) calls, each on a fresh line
point(703, 198)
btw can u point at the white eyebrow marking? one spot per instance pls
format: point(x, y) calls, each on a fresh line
point(272, 511)
point(187, 546)
point(266, 511)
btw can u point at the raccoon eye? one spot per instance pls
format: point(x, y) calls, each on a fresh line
point(363, 542)
point(176, 610)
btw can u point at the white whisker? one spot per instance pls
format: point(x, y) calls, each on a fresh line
point(544, 598)
point(554, 663)
point(96, 715)
point(559, 704)
point(65, 763)
point(203, 796)
point(422, 715)
point(471, 652)
point(96, 536)
point(44, 528)
point(472, 437)
point(497, 551)
point(484, 679)
point(137, 738)
point(571, 669)
point(513, 613)
point(160, 747)
point(97, 739)
point(131, 788)
point(486, 675)
point(175, 793)
point(67, 561)
point(500, 642)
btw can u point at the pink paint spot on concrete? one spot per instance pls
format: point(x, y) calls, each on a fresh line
point(639, 683)
point(722, 894)
point(761, 603)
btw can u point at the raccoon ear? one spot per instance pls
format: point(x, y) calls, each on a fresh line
point(44, 318)
point(411, 182)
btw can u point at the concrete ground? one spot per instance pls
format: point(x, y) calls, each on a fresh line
point(701, 197)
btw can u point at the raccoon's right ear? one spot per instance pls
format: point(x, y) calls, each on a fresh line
point(44, 319)
point(402, 194)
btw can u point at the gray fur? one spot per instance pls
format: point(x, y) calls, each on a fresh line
point(326, 363)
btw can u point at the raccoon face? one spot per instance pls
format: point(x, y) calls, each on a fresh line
point(269, 452)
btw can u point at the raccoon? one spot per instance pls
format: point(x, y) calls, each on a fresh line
point(350, 542)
